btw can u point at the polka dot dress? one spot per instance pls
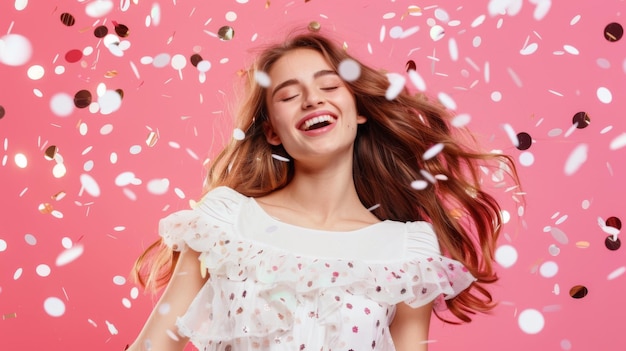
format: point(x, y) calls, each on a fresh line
point(276, 286)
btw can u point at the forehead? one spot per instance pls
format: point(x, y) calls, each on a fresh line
point(296, 63)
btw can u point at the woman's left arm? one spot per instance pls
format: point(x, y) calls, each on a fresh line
point(409, 329)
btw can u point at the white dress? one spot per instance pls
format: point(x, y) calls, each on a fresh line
point(275, 286)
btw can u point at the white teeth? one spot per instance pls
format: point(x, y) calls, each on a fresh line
point(318, 119)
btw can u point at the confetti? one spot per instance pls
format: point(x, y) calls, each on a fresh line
point(15, 50)
point(69, 255)
point(396, 85)
point(54, 306)
point(349, 70)
point(531, 321)
point(616, 273)
point(506, 256)
point(576, 159)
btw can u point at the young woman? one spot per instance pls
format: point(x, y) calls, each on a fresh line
point(334, 224)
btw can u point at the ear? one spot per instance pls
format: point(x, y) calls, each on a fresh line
point(271, 136)
point(361, 119)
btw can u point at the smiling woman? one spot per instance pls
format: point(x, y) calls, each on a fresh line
point(312, 233)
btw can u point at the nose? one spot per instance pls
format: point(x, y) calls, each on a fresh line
point(311, 99)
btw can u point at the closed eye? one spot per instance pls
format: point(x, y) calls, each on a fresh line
point(289, 98)
point(329, 88)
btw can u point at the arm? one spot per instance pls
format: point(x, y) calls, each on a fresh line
point(409, 329)
point(183, 287)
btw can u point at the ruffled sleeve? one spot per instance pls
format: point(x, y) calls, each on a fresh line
point(214, 213)
point(435, 277)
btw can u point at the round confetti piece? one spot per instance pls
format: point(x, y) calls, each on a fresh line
point(82, 99)
point(66, 242)
point(178, 62)
point(69, 255)
point(506, 255)
point(161, 60)
point(554, 250)
point(30, 239)
point(90, 185)
point(604, 95)
point(314, 26)
point(164, 308)
point(59, 170)
point(349, 70)
point(18, 273)
point(43, 270)
point(231, 16)
point(67, 19)
point(20, 5)
point(99, 8)
point(239, 134)
point(119, 280)
point(126, 302)
point(15, 50)
point(446, 100)
point(496, 96)
point(461, 120)
point(121, 30)
point(226, 33)
point(530, 49)
point(20, 160)
point(531, 321)
point(3, 245)
point(548, 269)
point(396, 85)
point(101, 31)
point(526, 159)
point(109, 102)
point(2, 112)
point(158, 186)
point(62, 104)
point(433, 151)
point(613, 32)
point(54, 306)
point(134, 292)
point(263, 79)
point(35, 72)
point(419, 184)
point(204, 66)
point(437, 32)
point(73, 56)
point(416, 79)
point(566, 345)
point(576, 159)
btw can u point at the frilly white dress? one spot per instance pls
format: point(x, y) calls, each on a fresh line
point(275, 286)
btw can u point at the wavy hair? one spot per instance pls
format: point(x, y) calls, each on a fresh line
point(389, 149)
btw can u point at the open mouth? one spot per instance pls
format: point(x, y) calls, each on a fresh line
point(318, 122)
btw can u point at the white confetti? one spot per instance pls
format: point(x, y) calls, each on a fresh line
point(433, 151)
point(15, 50)
point(529, 49)
point(618, 142)
point(510, 132)
point(396, 85)
point(506, 255)
point(446, 100)
point(531, 321)
point(262, 79)
point(548, 269)
point(280, 158)
point(69, 255)
point(454, 49)
point(419, 184)
point(238, 134)
point(54, 306)
point(576, 159)
point(111, 328)
point(616, 273)
point(461, 120)
point(417, 80)
point(158, 186)
point(90, 185)
point(604, 95)
point(349, 70)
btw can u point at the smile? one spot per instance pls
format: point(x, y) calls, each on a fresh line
point(317, 122)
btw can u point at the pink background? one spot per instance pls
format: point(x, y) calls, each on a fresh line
point(62, 270)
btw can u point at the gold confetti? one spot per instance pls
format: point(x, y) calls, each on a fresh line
point(110, 74)
point(152, 139)
point(582, 244)
point(314, 26)
point(9, 316)
point(45, 208)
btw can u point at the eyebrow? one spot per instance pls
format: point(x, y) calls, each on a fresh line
point(295, 81)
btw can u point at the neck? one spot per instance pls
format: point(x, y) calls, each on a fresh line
point(326, 193)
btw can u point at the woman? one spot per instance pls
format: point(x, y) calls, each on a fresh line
point(313, 233)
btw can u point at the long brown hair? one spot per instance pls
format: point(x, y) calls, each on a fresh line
point(388, 150)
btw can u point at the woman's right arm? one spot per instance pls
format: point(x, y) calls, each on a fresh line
point(160, 332)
